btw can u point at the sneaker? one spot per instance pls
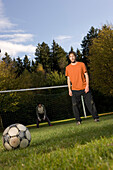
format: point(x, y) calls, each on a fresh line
point(78, 123)
point(96, 120)
point(51, 125)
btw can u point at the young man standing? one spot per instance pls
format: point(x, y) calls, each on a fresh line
point(77, 75)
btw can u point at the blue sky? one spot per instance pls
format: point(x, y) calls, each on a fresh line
point(25, 23)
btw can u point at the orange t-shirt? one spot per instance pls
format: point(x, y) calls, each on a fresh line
point(76, 75)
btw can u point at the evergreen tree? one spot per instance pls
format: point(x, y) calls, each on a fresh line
point(78, 55)
point(54, 56)
point(71, 49)
point(18, 67)
point(58, 58)
point(43, 56)
point(87, 42)
point(33, 66)
point(7, 59)
point(26, 63)
point(62, 62)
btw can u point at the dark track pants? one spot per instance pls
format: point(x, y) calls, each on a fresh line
point(89, 103)
point(46, 119)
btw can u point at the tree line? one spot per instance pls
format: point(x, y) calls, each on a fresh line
point(49, 63)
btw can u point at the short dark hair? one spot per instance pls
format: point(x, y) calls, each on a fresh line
point(72, 52)
point(39, 103)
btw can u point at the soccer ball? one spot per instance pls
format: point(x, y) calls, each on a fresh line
point(15, 136)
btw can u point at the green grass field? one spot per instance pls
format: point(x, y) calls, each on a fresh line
point(65, 146)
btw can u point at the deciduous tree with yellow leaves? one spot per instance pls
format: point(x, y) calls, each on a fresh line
point(101, 61)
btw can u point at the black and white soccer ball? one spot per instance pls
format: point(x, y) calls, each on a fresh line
point(15, 136)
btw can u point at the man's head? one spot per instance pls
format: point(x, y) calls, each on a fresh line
point(72, 56)
point(39, 105)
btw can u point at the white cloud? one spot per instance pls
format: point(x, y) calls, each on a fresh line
point(14, 49)
point(13, 31)
point(63, 37)
point(5, 23)
point(17, 38)
point(12, 39)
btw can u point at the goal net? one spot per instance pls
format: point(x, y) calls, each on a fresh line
point(19, 106)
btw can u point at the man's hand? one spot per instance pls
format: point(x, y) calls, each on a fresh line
point(39, 119)
point(44, 118)
point(87, 89)
point(70, 92)
point(87, 82)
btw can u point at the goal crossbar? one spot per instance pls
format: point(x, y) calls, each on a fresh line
point(31, 89)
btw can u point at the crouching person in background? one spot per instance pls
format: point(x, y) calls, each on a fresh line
point(41, 114)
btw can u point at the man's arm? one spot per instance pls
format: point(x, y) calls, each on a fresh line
point(37, 114)
point(44, 112)
point(87, 82)
point(69, 86)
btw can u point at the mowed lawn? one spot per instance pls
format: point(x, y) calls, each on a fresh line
point(65, 146)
